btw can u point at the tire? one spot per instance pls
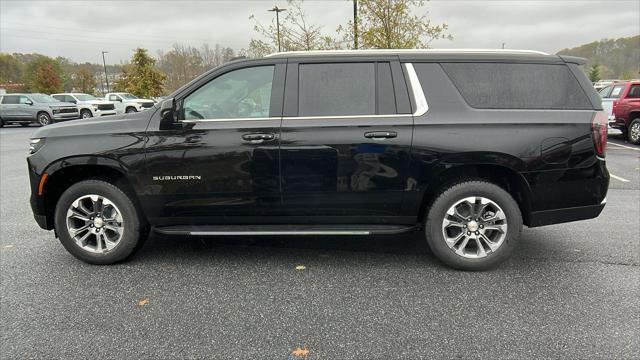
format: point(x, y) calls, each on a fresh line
point(131, 110)
point(633, 133)
point(85, 114)
point(1, 123)
point(44, 119)
point(470, 257)
point(82, 197)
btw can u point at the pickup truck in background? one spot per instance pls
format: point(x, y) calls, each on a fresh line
point(626, 109)
point(88, 105)
point(128, 103)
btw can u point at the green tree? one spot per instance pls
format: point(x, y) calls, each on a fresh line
point(390, 24)
point(140, 77)
point(296, 33)
point(44, 75)
point(11, 69)
point(594, 73)
point(84, 80)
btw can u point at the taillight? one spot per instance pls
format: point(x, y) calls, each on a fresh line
point(614, 106)
point(599, 132)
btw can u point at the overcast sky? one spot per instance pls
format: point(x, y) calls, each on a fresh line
point(80, 30)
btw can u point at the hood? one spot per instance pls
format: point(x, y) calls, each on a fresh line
point(116, 124)
point(96, 102)
point(57, 104)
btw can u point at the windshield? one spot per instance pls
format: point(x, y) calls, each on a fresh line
point(128, 96)
point(42, 98)
point(84, 97)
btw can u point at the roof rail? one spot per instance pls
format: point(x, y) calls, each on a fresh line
point(403, 51)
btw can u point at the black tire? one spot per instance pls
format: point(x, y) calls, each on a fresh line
point(85, 114)
point(134, 231)
point(44, 119)
point(1, 123)
point(131, 110)
point(633, 133)
point(450, 196)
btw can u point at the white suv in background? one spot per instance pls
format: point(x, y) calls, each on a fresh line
point(88, 105)
point(128, 103)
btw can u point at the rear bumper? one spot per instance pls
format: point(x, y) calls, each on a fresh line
point(558, 216)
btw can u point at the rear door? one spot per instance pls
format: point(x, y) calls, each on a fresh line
point(9, 106)
point(346, 138)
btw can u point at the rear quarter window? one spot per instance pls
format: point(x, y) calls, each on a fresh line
point(518, 86)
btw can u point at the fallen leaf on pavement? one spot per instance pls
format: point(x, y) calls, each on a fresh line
point(300, 267)
point(143, 301)
point(8, 246)
point(300, 352)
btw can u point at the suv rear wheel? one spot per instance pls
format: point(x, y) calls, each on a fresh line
point(473, 225)
point(98, 223)
point(634, 131)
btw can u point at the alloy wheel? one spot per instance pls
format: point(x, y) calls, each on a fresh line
point(474, 227)
point(95, 223)
point(634, 132)
point(43, 119)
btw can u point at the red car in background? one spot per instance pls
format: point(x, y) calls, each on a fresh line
point(626, 110)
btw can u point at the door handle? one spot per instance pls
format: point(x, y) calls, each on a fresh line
point(380, 134)
point(258, 137)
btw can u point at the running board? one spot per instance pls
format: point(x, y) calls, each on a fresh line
point(244, 230)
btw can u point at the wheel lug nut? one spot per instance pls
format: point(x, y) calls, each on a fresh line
point(468, 232)
point(477, 232)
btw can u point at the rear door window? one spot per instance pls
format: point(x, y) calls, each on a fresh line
point(337, 89)
point(517, 86)
point(10, 99)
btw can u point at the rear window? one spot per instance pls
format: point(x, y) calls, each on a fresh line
point(617, 91)
point(517, 86)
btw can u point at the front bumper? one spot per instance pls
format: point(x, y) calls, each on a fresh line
point(65, 116)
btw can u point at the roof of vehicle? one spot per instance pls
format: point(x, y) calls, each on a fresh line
point(70, 93)
point(435, 54)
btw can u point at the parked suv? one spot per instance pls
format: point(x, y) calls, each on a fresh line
point(465, 147)
point(626, 110)
point(42, 109)
point(88, 105)
point(128, 103)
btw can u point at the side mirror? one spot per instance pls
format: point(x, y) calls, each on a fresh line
point(168, 115)
point(29, 102)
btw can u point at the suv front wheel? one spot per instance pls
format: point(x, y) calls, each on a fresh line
point(98, 223)
point(473, 225)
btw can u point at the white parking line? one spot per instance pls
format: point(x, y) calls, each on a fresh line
point(618, 178)
point(624, 146)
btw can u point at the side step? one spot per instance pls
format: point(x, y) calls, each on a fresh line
point(242, 230)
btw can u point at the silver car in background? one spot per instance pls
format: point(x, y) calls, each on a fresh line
point(42, 109)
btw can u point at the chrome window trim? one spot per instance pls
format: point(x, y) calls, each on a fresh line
point(414, 83)
point(416, 88)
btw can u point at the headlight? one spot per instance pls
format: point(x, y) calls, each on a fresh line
point(35, 145)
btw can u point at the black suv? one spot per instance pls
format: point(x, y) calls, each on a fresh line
point(466, 146)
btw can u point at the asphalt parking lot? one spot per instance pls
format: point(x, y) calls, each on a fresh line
point(570, 290)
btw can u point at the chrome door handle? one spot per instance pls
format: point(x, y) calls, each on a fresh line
point(258, 137)
point(380, 134)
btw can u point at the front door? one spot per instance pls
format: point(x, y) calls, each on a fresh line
point(223, 164)
point(346, 138)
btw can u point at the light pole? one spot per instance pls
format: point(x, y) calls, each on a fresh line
point(355, 24)
point(278, 10)
point(106, 77)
